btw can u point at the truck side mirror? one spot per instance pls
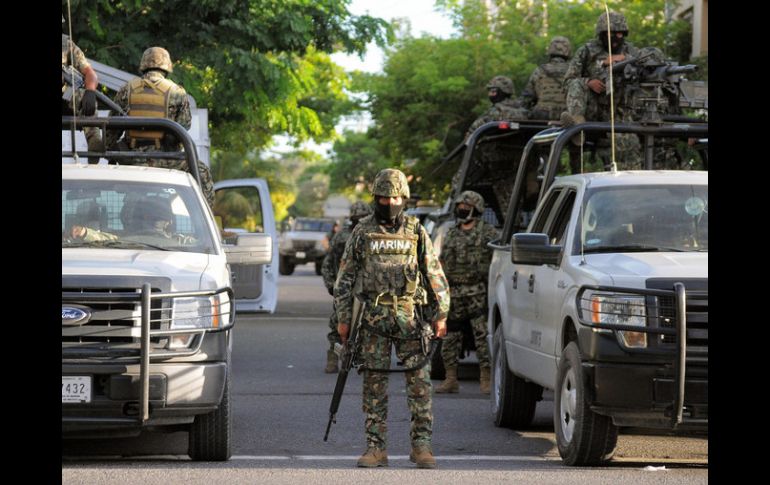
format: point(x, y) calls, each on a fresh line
point(251, 248)
point(534, 249)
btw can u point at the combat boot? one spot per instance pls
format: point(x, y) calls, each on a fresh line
point(484, 380)
point(450, 383)
point(331, 362)
point(422, 456)
point(372, 458)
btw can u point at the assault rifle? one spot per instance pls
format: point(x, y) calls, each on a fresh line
point(73, 78)
point(348, 359)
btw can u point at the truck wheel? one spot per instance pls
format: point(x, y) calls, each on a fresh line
point(437, 370)
point(582, 436)
point(513, 399)
point(286, 267)
point(210, 434)
point(319, 266)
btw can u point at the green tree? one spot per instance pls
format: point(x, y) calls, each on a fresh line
point(261, 67)
point(355, 161)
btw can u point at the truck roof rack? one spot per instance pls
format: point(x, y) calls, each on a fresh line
point(188, 153)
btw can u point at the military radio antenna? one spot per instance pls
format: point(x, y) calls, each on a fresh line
point(613, 165)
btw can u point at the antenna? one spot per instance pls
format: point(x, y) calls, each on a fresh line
point(613, 165)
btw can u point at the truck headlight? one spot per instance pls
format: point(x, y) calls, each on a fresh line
point(201, 312)
point(613, 309)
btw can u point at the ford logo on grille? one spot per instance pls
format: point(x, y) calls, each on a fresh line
point(71, 315)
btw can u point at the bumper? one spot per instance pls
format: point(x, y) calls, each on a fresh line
point(178, 392)
point(312, 255)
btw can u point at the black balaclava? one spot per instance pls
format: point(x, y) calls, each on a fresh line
point(617, 44)
point(499, 96)
point(464, 215)
point(388, 214)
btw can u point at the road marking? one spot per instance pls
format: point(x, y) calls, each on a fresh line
point(398, 457)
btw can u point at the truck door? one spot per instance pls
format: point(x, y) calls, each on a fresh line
point(244, 206)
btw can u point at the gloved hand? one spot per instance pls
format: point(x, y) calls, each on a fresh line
point(88, 103)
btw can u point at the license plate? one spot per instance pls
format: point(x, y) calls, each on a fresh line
point(75, 389)
point(300, 255)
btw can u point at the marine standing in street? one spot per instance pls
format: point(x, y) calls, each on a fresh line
point(329, 270)
point(587, 96)
point(390, 267)
point(465, 259)
point(71, 55)
point(504, 108)
point(154, 95)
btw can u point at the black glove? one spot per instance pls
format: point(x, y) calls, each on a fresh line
point(88, 103)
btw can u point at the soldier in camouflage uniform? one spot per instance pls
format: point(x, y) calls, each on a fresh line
point(465, 259)
point(389, 265)
point(587, 96)
point(504, 108)
point(71, 55)
point(329, 270)
point(155, 96)
point(544, 95)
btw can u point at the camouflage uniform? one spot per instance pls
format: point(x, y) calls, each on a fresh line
point(154, 66)
point(585, 65)
point(331, 266)
point(71, 55)
point(544, 94)
point(504, 110)
point(392, 269)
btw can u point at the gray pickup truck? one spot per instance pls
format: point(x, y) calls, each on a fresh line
point(307, 240)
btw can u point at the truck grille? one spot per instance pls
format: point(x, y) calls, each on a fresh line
point(303, 245)
point(696, 317)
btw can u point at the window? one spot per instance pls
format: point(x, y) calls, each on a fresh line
point(239, 208)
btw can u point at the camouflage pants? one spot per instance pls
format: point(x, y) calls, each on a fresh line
point(628, 151)
point(375, 353)
point(333, 336)
point(473, 308)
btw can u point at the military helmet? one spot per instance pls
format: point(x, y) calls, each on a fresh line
point(473, 199)
point(504, 84)
point(617, 23)
point(560, 46)
point(156, 58)
point(360, 209)
point(390, 183)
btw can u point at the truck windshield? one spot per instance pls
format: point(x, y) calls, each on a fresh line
point(644, 218)
point(150, 216)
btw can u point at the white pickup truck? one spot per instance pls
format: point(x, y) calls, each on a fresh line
point(147, 304)
point(602, 297)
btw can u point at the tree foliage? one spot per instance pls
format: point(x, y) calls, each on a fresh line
point(261, 67)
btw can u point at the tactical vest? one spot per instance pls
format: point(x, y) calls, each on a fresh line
point(390, 264)
point(550, 96)
point(468, 257)
point(150, 99)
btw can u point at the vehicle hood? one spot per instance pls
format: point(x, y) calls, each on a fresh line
point(187, 271)
point(625, 268)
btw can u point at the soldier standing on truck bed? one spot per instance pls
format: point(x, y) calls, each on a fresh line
point(331, 265)
point(71, 55)
point(154, 95)
point(465, 259)
point(504, 108)
point(586, 85)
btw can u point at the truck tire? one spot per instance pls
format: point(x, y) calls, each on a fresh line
point(210, 434)
point(286, 267)
point(437, 370)
point(582, 436)
point(513, 399)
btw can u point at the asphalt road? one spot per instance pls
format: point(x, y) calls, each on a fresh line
point(280, 405)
